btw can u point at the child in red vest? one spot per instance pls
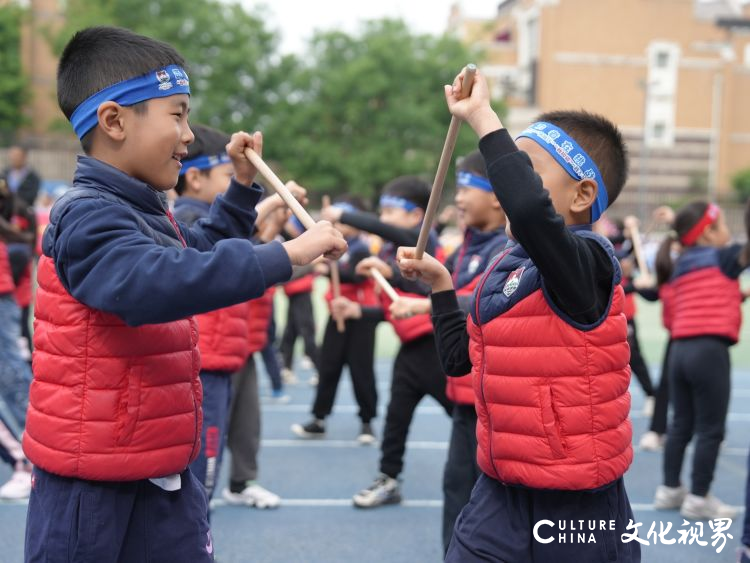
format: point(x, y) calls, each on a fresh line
point(354, 347)
point(706, 320)
point(546, 344)
point(484, 238)
point(114, 416)
point(416, 369)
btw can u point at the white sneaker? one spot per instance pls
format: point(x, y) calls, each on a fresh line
point(648, 407)
point(313, 381)
point(306, 363)
point(705, 508)
point(288, 377)
point(279, 398)
point(652, 442)
point(18, 486)
point(669, 498)
point(252, 495)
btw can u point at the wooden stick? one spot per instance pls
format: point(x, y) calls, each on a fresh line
point(635, 237)
point(291, 202)
point(442, 170)
point(335, 277)
point(383, 283)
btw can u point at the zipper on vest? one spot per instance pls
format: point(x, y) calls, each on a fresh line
point(484, 355)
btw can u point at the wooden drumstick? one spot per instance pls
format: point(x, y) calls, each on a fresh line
point(442, 170)
point(335, 277)
point(384, 284)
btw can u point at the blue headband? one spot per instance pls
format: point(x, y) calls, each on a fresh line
point(469, 180)
point(345, 207)
point(155, 84)
point(204, 162)
point(400, 202)
point(572, 158)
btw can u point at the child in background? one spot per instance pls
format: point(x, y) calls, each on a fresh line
point(300, 320)
point(546, 342)
point(119, 282)
point(484, 238)
point(706, 322)
point(416, 369)
point(354, 347)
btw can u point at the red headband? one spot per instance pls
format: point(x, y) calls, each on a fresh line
point(709, 218)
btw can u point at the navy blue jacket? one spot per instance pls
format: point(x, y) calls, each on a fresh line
point(116, 249)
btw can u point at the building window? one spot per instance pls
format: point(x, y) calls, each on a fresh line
point(658, 130)
point(662, 59)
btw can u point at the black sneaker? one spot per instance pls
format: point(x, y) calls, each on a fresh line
point(366, 435)
point(384, 490)
point(313, 429)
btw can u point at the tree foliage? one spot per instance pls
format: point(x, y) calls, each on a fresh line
point(14, 85)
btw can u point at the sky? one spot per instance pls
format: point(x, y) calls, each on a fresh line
point(296, 19)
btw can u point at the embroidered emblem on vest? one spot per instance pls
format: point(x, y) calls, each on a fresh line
point(513, 281)
point(474, 263)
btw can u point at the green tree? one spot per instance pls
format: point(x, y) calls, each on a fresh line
point(235, 71)
point(741, 184)
point(14, 85)
point(366, 108)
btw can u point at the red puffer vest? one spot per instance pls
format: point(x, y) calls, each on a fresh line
point(6, 275)
point(300, 285)
point(706, 301)
point(552, 399)
point(411, 328)
point(362, 293)
point(108, 401)
point(259, 317)
point(23, 289)
point(223, 338)
point(629, 307)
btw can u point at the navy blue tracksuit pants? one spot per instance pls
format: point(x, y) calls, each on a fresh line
point(498, 523)
point(72, 520)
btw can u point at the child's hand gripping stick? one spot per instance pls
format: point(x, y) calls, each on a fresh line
point(442, 170)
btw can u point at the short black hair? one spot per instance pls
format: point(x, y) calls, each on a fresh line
point(472, 162)
point(411, 188)
point(98, 57)
point(601, 139)
point(208, 142)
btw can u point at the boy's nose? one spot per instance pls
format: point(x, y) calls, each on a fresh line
point(187, 135)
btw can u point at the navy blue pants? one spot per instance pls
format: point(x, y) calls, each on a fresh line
point(746, 526)
point(498, 525)
point(217, 392)
point(72, 520)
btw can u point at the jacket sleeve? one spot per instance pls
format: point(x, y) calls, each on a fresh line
point(451, 337)
point(105, 261)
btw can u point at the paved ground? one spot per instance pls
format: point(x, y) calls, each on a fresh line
point(316, 480)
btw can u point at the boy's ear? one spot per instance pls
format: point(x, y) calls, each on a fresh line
point(418, 213)
point(585, 196)
point(111, 118)
point(193, 179)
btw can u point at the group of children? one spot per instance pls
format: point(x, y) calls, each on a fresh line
point(147, 322)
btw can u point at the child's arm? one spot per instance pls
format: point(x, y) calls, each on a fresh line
point(370, 223)
point(577, 272)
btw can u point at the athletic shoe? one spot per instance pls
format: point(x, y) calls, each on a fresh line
point(306, 363)
point(288, 377)
point(648, 406)
point(313, 381)
point(669, 498)
point(705, 508)
point(384, 490)
point(652, 442)
point(18, 486)
point(316, 428)
point(279, 397)
point(252, 495)
point(366, 435)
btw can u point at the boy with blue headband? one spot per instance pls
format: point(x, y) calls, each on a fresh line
point(114, 416)
point(546, 342)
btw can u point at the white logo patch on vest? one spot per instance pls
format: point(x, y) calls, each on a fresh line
point(513, 281)
point(474, 263)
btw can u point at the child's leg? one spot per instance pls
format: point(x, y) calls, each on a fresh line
point(637, 363)
point(661, 406)
point(289, 337)
point(333, 352)
point(244, 427)
point(217, 390)
point(360, 356)
point(306, 328)
point(15, 374)
point(461, 469)
point(406, 393)
point(270, 359)
point(683, 418)
point(710, 379)
point(746, 528)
